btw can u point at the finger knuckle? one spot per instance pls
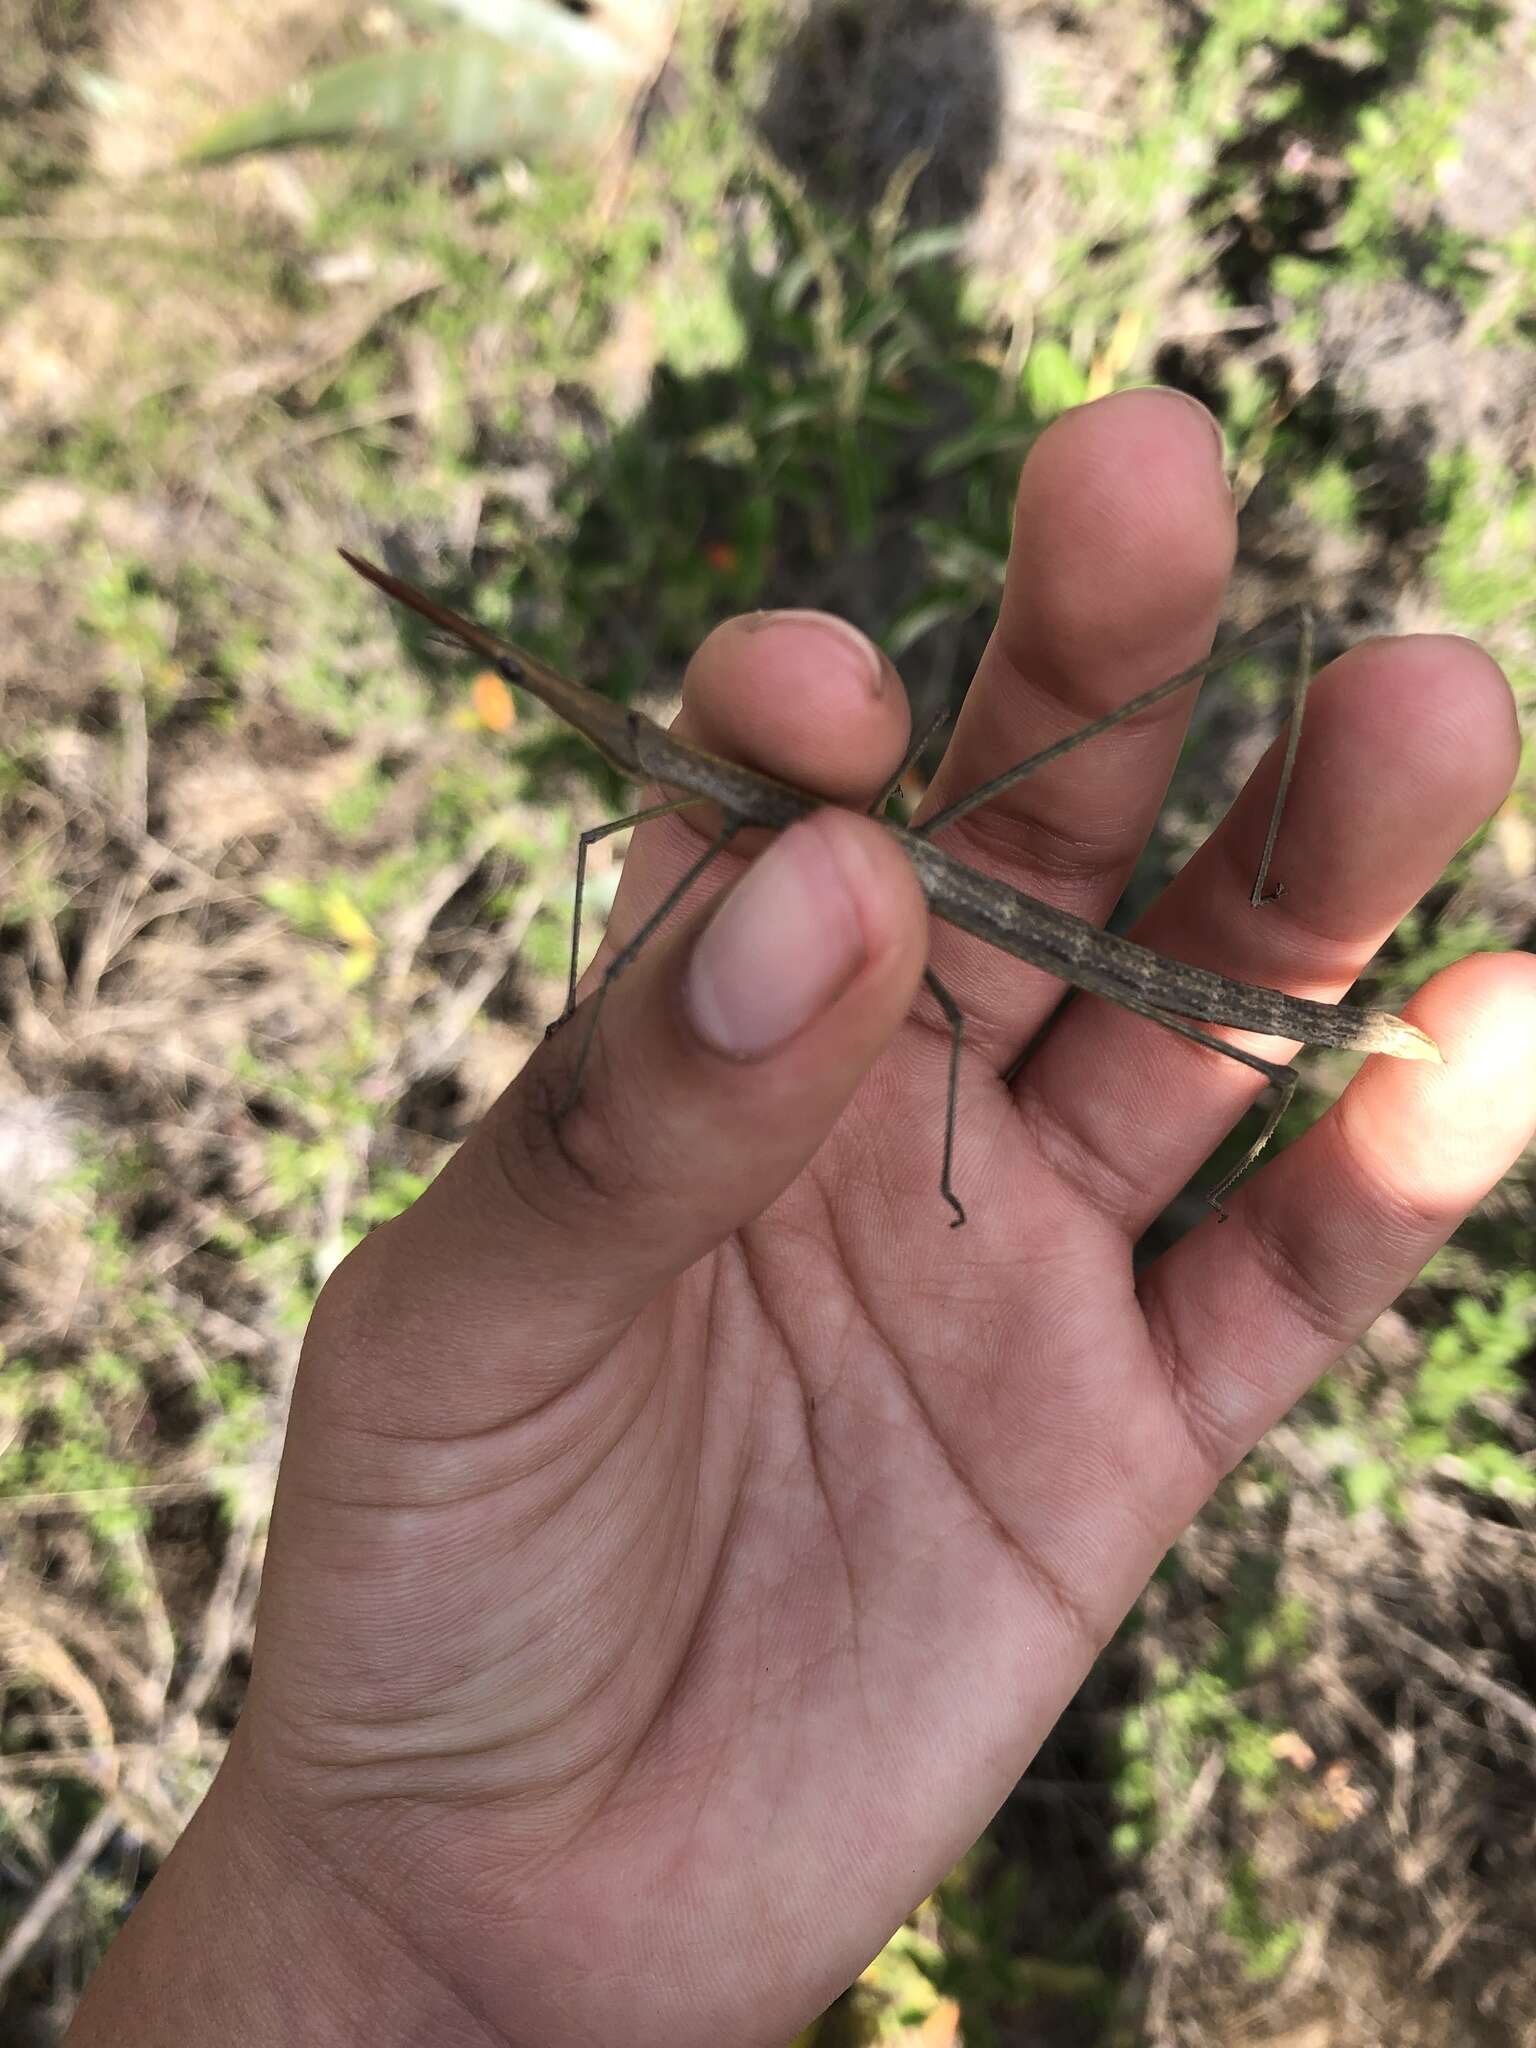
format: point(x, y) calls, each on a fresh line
point(560, 1150)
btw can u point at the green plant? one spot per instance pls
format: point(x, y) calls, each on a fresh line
point(528, 78)
point(1164, 1741)
point(1267, 1945)
point(1480, 567)
point(64, 1443)
point(1452, 1417)
point(137, 627)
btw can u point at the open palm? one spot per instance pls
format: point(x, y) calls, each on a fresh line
point(684, 1538)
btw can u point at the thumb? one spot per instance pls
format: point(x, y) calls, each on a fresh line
point(724, 1055)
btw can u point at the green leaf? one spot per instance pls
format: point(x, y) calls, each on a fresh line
point(1368, 1484)
point(895, 409)
point(560, 98)
point(790, 413)
point(1052, 380)
point(1494, 1468)
point(794, 281)
point(920, 618)
point(980, 441)
point(926, 245)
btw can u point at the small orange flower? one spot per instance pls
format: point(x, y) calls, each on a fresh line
point(493, 702)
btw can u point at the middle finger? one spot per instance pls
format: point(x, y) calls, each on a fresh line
point(1123, 543)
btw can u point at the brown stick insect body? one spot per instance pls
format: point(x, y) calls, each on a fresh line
point(1167, 991)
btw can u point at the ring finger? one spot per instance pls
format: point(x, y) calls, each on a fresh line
point(1407, 747)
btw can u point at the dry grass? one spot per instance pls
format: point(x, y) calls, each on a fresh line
point(179, 64)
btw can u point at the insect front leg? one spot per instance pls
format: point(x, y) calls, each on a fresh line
point(628, 954)
point(995, 785)
point(588, 839)
point(909, 760)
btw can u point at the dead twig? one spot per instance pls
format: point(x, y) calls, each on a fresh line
point(54, 1896)
point(1463, 1675)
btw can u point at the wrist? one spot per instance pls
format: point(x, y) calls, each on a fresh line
point(245, 1937)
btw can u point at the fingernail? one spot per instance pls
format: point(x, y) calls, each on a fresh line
point(825, 637)
point(782, 946)
point(1213, 425)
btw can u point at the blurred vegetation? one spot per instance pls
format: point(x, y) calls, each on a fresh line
point(491, 78)
point(286, 898)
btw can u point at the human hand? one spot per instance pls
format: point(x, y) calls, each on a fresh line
point(684, 1540)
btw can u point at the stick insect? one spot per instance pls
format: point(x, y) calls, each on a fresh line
point(1168, 992)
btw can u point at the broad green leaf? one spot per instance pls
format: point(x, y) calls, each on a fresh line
point(561, 97)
